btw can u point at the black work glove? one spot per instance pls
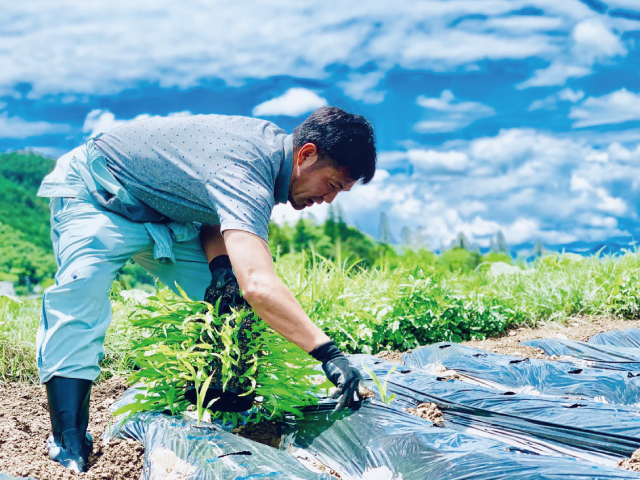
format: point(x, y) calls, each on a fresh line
point(224, 286)
point(340, 372)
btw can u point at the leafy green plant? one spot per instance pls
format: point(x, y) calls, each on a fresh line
point(382, 387)
point(186, 344)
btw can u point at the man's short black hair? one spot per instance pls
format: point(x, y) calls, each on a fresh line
point(346, 138)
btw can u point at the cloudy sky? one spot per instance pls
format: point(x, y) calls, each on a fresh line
point(520, 116)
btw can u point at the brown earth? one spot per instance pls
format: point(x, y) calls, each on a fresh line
point(391, 355)
point(25, 426)
point(428, 411)
point(632, 463)
point(577, 328)
point(265, 432)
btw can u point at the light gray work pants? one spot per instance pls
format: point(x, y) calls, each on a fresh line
point(91, 244)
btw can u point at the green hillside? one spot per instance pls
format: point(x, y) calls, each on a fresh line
point(25, 245)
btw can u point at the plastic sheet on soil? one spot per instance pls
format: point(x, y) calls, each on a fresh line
point(589, 430)
point(380, 438)
point(527, 375)
point(487, 435)
point(622, 338)
point(598, 356)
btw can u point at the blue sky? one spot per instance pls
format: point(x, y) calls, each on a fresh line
point(520, 116)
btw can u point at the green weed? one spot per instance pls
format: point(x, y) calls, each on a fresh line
point(382, 387)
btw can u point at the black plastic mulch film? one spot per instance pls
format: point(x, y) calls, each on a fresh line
point(607, 356)
point(489, 433)
point(621, 338)
point(528, 375)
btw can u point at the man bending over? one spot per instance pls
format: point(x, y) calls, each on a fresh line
point(189, 199)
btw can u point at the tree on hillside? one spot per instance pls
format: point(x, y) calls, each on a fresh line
point(461, 241)
point(501, 243)
point(385, 229)
point(22, 262)
point(538, 249)
point(406, 237)
point(24, 212)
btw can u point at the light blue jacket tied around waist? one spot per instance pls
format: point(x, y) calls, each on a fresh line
point(83, 173)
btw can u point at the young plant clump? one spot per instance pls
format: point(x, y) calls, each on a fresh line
point(188, 349)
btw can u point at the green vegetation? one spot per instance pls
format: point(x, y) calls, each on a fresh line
point(25, 246)
point(19, 322)
point(369, 310)
point(186, 343)
point(400, 308)
point(382, 387)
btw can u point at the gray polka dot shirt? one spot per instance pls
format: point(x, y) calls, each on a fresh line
point(212, 169)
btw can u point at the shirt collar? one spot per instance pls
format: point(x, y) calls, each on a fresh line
point(281, 193)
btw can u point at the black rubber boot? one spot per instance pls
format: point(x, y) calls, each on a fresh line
point(71, 444)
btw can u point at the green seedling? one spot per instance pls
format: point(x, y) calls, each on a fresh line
point(382, 387)
point(186, 344)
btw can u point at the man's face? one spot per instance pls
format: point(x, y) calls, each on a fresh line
point(314, 180)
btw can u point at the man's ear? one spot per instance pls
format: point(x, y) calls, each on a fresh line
point(308, 155)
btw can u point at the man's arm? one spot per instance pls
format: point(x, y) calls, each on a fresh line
point(274, 303)
point(269, 297)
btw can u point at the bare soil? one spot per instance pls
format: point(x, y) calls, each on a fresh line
point(25, 426)
point(392, 356)
point(577, 328)
point(264, 432)
point(428, 411)
point(632, 463)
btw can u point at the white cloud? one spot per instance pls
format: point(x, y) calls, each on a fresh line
point(590, 41)
point(294, 102)
point(551, 102)
point(381, 175)
point(594, 220)
point(391, 158)
point(568, 95)
point(16, 127)
point(609, 204)
point(530, 184)
point(618, 152)
point(556, 74)
point(579, 184)
point(517, 145)
point(432, 160)
point(522, 230)
point(364, 86)
point(616, 107)
point(100, 121)
point(284, 213)
point(593, 40)
point(88, 49)
point(444, 114)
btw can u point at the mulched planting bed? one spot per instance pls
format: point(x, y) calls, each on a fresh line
point(25, 424)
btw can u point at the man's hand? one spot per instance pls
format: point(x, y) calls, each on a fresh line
point(340, 372)
point(224, 286)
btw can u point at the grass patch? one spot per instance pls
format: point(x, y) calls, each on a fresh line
point(369, 310)
point(19, 322)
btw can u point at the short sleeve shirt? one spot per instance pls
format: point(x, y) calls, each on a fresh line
point(212, 169)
